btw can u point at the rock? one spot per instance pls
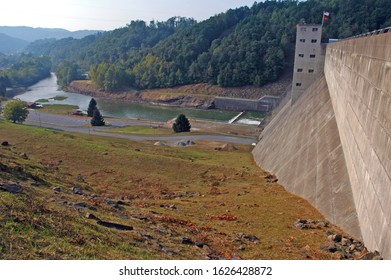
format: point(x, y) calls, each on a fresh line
point(79, 204)
point(82, 205)
point(371, 256)
point(331, 248)
point(165, 249)
point(181, 144)
point(57, 189)
point(227, 148)
point(187, 241)
point(114, 225)
point(4, 143)
point(92, 217)
point(77, 190)
point(337, 238)
point(271, 178)
point(251, 238)
point(345, 241)
point(116, 204)
point(24, 156)
point(62, 202)
point(201, 245)
point(160, 143)
point(13, 188)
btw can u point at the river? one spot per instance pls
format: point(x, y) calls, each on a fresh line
point(48, 89)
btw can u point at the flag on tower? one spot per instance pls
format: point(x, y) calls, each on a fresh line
point(326, 16)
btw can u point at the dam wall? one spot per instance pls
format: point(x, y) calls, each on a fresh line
point(301, 146)
point(332, 145)
point(358, 74)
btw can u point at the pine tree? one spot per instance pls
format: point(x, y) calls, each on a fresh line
point(97, 118)
point(91, 107)
point(181, 124)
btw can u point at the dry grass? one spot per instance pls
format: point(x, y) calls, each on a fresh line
point(192, 203)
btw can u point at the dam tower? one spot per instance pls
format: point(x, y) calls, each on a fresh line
point(309, 58)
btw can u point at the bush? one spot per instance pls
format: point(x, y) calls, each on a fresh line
point(16, 111)
point(181, 124)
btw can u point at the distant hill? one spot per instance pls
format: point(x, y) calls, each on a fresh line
point(31, 34)
point(10, 44)
point(248, 46)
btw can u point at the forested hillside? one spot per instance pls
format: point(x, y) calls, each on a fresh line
point(245, 46)
point(22, 71)
point(9, 44)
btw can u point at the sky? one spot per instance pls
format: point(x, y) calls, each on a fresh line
point(106, 14)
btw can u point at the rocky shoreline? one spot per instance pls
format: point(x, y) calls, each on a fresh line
point(152, 97)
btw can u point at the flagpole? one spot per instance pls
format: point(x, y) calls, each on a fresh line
point(322, 19)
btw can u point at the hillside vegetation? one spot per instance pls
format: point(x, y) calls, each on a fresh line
point(88, 197)
point(244, 46)
point(22, 71)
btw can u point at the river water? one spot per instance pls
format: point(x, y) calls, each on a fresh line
point(48, 89)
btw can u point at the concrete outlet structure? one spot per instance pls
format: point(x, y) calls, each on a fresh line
point(332, 144)
point(309, 58)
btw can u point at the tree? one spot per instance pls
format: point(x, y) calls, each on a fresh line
point(181, 124)
point(97, 119)
point(16, 111)
point(4, 83)
point(91, 107)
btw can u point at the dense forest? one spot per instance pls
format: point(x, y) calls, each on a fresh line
point(244, 46)
point(22, 71)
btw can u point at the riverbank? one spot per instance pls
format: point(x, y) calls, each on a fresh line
point(200, 96)
point(179, 97)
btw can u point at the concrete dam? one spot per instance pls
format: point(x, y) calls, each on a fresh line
point(332, 143)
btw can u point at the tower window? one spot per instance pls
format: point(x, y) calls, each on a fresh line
point(310, 70)
point(298, 84)
point(315, 29)
point(314, 41)
point(303, 29)
point(301, 55)
point(302, 40)
point(300, 70)
point(312, 56)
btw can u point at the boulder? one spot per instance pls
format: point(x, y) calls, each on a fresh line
point(187, 241)
point(13, 188)
point(4, 143)
point(77, 190)
point(114, 225)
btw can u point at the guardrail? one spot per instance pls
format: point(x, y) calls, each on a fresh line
point(372, 33)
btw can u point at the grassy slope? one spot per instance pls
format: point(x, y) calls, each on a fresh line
point(170, 193)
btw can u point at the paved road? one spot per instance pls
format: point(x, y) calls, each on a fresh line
point(79, 124)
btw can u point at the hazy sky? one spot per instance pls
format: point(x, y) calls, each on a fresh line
point(106, 14)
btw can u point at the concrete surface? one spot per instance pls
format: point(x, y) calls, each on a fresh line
point(333, 147)
point(358, 74)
